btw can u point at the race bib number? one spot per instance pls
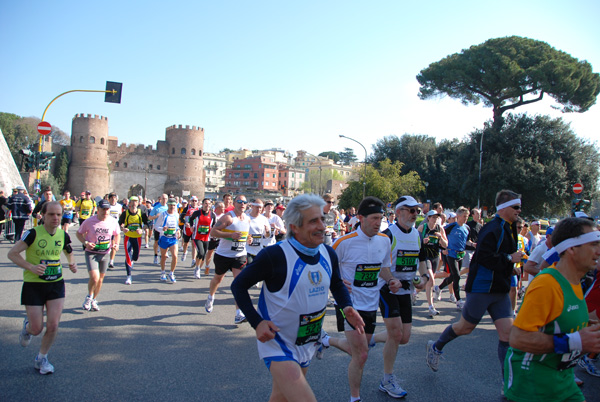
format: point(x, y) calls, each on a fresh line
point(169, 232)
point(237, 245)
point(203, 229)
point(433, 240)
point(406, 261)
point(68, 214)
point(309, 329)
point(53, 270)
point(256, 240)
point(133, 227)
point(460, 255)
point(366, 275)
point(85, 211)
point(102, 245)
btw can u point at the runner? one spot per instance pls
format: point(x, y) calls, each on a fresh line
point(98, 234)
point(200, 225)
point(277, 226)
point(291, 316)
point(232, 229)
point(132, 222)
point(260, 229)
point(115, 211)
point(364, 259)
point(43, 284)
point(68, 206)
point(548, 337)
point(213, 242)
point(187, 230)
point(167, 224)
point(159, 208)
point(432, 238)
point(85, 207)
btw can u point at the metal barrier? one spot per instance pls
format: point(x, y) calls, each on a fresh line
point(8, 231)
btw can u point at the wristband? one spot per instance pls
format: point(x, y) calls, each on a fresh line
point(561, 343)
point(388, 282)
point(575, 341)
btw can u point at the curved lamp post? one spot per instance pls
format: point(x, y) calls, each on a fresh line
point(365, 178)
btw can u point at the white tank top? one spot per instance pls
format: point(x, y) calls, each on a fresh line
point(405, 256)
point(298, 308)
point(234, 248)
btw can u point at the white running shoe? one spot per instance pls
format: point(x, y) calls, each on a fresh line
point(193, 263)
point(452, 299)
point(433, 312)
point(197, 273)
point(43, 365)
point(438, 292)
point(208, 306)
point(321, 348)
point(460, 304)
point(183, 256)
point(24, 336)
point(392, 388)
point(87, 304)
point(432, 358)
point(95, 305)
point(163, 276)
point(146, 245)
point(172, 277)
point(240, 318)
point(128, 280)
point(156, 260)
point(414, 297)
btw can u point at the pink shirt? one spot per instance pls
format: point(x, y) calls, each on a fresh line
point(100, 233)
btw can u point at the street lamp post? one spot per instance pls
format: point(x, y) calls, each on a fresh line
point(480, 162)
point(365, 178)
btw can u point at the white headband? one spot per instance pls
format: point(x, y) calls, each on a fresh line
point(516, 201)
point(577, 241)
point(255, 204)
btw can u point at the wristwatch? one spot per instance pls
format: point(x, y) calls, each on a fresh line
point(509, 258)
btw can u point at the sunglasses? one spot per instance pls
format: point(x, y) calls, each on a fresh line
point(516, 207)
point(241, 202)
point(412, 210)
point(330, 202)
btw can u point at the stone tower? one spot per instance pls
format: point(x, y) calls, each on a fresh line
point(185, 168)
point(89, 155)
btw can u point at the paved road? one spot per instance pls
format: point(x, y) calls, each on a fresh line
point(154, 341)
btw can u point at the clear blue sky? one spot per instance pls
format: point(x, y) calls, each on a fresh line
point(262, 74)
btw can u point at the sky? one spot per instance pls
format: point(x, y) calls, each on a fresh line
point(262, 74)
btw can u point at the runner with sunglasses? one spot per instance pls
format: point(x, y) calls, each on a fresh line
point(396, 306)
point(232, 229)
point(488, 283)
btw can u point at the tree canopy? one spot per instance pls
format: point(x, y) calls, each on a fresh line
point(539, 157)
point(347, 156)
point(331, 155)
point(505, 73)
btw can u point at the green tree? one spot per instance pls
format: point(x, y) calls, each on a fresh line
point(385, 181)
point(331, 155)
point(347, 156)
point(539, 157)
point(61, 168)
point(316, 180)
point(505, 73)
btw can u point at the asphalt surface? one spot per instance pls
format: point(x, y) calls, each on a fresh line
point(154, 341)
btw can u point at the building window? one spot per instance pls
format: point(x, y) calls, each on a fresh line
point(193, 152)
point(157, 167)
point(182, 151)
point(102, 141)
point(149, 167)
point(116, 164)
point(256, 175)
point(92, 140)
point(199, 152)
point(124, 164)
point(172, 151)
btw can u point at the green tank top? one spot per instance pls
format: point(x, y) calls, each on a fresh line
point(45, 249)
point(573, 317)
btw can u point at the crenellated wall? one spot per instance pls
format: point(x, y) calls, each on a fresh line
point(99, 163)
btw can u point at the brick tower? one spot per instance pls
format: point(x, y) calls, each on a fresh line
point(185, 168)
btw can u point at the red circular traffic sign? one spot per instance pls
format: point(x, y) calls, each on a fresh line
point(577, 188)
point(44, 128)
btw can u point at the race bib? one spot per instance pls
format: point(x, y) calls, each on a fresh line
point(256, 240)
point(102, 245)
point(133, 227)
point(366, 275)
point(309, 329)
point(460, 255)
point(406, 261)
point(53, 270)
point(433, 240)
point(237, 245)
point(569, 360)
point(169, 232)
point(203, 229)
point(85, 211)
